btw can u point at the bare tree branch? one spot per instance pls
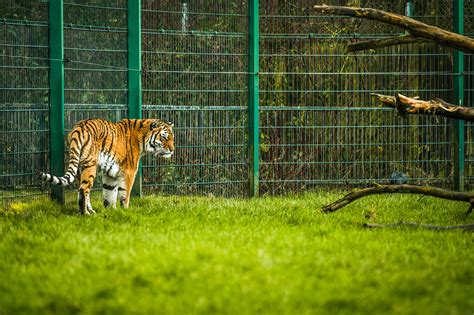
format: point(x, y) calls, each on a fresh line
point(404, 189)
point(385, 42)
point(438, 107)
point(414, 27)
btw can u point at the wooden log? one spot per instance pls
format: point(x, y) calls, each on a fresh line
point(385, 42)
point(404, 189)
point(414, 27)
point(437, 107)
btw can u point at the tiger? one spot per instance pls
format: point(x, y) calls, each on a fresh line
point(114, 149)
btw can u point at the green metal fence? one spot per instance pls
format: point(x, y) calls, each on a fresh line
point(195, 75)
point(263, 96)
point(96, 61)
point(320, 125)
point(469, 92)
point(24, 104)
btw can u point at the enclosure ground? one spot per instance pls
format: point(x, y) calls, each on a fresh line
point(203, 255)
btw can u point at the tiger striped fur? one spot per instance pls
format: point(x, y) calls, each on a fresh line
point(115, 149)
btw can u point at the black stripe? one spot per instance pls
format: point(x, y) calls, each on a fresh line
point(87, 141)
point(90, 163)
point(108, 174)
point(81, 201)
point(122, 127)
point(74, 140)
point(143, 138)
point(94, 126)
point(102, 146)
point(74, 151)
point(78, 131)
point(121, 189)
point(111, 143)
point(129, 149)
point(108, 187)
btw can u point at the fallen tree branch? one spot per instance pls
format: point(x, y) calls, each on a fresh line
point(426, 226)
point(438, 107)
point(414, 27)
point(385, 42)
point(404, 189)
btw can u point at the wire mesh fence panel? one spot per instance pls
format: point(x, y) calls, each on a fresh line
point(24, 128)
point(95, 52)
point(194, 75)
point(321, 126)
point(469, 92)
point(96, 67)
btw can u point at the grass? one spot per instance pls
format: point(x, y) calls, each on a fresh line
point(203, 255)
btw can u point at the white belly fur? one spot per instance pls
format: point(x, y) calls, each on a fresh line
point(108, 165)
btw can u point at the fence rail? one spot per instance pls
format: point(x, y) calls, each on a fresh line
point(264, 98)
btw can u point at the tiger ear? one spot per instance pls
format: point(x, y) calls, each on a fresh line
point(171, 124)
point(155, 124)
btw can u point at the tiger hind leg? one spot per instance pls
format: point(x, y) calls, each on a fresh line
point(109, 191)
point(87, 180)
point(84, 202)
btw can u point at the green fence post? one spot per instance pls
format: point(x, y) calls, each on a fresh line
point(134, 74)
point(458, 95)
point(409, 8)
point(56, 95)
point(253, 117)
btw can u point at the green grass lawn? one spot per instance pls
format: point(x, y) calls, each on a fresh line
point(203, 255)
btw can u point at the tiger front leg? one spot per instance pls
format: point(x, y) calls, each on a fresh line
point(85, 185)
point(125, 184)
point(109, 191)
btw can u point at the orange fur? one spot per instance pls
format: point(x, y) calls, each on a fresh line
point(115, 149)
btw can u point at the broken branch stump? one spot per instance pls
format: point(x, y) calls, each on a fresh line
point(437, 107)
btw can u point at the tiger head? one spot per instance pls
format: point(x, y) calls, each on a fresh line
point(160, 139)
